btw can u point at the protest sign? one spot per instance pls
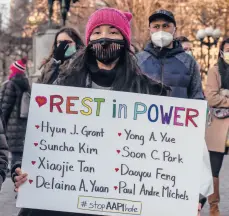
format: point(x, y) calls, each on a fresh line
point(112, 153)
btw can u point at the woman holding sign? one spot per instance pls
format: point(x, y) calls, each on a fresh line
point(106, 63)
point(217, 134)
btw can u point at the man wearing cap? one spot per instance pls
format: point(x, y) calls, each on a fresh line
point(165, 60)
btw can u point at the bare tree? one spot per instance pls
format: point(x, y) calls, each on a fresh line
point(15, 43)
point(195, 15)
point(141, 10)
point(190, 15)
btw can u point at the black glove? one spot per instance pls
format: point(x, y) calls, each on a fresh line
point(74, 1)
point(202, 200)
point(59, 52)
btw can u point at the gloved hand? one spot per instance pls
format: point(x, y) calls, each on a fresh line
point(59, 52)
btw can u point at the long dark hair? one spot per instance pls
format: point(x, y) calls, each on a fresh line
point(129, 79)
point(73, 34)
point(223, 67)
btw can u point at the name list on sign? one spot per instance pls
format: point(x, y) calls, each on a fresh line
point(124, 169)
point(77, 140)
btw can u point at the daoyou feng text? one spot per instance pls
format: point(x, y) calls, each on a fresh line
point(172, 115)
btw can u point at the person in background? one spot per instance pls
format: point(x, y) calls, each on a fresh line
point(186, 44)
point(217, 132)
point(3, 152)
point(11, 94)
point(165, 60)
point(67, 42)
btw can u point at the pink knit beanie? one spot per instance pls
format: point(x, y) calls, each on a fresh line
point(110, 16)
point(18, 67)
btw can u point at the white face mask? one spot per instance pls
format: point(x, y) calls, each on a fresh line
point(189, 52)
point(225, 56)
point(161, 38)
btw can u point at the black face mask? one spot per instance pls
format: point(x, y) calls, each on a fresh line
point(107, 50)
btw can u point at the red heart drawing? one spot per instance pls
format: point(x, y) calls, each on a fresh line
point(41, 100)
point(36, 144)
point(118, 151)
point(37, 126)
point(33, 162)
point(120, 134)
point(30, 181)
point(116, 169)
point(115, 187)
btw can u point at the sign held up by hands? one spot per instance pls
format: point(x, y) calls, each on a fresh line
point(105, 152)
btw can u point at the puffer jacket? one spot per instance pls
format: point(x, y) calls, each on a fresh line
point(174, 68)
point(11, 95)
point(3, 152)
point(52, 70)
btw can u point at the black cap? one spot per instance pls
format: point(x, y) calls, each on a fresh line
point(167, 15)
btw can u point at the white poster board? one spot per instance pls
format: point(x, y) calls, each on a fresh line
point(112, 153)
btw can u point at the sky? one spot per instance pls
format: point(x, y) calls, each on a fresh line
point(5, 15)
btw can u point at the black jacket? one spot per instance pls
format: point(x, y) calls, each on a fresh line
point(34, 212)
point(140, 82)
point(11, 95)
point(37, 212)
point(3, 153)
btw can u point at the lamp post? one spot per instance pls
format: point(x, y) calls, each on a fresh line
point(208, 33)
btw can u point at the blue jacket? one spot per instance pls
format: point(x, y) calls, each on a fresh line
point(172, 67)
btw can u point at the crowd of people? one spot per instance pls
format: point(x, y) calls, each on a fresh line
point(107, 61)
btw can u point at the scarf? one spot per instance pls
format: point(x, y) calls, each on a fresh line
point(101, 77)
